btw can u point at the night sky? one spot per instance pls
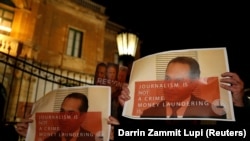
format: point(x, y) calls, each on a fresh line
point(166, 26)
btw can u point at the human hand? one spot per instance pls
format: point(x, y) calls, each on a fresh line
point(113, 121)
point(124, 96)
point(22, 127)
point(232, 82)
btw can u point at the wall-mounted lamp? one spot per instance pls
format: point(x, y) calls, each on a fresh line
point(127, 43)
point(127, 46)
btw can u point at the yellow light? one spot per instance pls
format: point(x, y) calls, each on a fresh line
point(4, 28)
point(8, 45)
point(127, 43)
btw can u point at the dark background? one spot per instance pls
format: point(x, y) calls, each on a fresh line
point(163, 26)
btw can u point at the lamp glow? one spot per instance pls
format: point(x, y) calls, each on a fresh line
point(4, 28)
point(127, 43)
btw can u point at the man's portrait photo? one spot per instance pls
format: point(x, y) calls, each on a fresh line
point(180, 85)
point(72, 114)
point(182, 79)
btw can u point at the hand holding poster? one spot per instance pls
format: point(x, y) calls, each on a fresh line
point(72, 113)
point(182, 83)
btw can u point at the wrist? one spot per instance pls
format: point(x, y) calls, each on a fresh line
point(238, 103)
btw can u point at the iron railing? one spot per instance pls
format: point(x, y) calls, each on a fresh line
point(26, 80)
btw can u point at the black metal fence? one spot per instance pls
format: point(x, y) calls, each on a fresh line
point(26, 80)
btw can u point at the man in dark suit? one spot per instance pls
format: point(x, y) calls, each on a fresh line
point(181, 102)
point(74, 105)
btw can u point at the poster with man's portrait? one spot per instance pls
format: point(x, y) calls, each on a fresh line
point(78, 113)
point(113, 75)
point(180, 85)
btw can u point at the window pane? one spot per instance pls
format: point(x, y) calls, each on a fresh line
point(76, 49)
point(77, 45)
point(8, 15)
point(6, 19)
point(74, 44)
point(6, 23)
point(70, 42)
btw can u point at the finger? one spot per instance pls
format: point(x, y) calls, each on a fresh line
point(124, 97)
point(28, 116)
point(229, 76)
point(228, 81)
point(113, 121)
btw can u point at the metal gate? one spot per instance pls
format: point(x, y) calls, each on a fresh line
point(26, 80)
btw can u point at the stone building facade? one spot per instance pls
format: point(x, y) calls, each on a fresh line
point(42, 28)
point(71, 35)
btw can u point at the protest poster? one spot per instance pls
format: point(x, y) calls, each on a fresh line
point(154, 92)
point(113, 75)
point(55, 116)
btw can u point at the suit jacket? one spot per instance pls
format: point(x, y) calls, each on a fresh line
point(87, 136)
point(192, 111)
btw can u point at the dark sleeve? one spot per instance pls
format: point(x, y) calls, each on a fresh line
point(8, 133)
point(242, 114)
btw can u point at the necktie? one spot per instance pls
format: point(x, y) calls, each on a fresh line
point(174, 111)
